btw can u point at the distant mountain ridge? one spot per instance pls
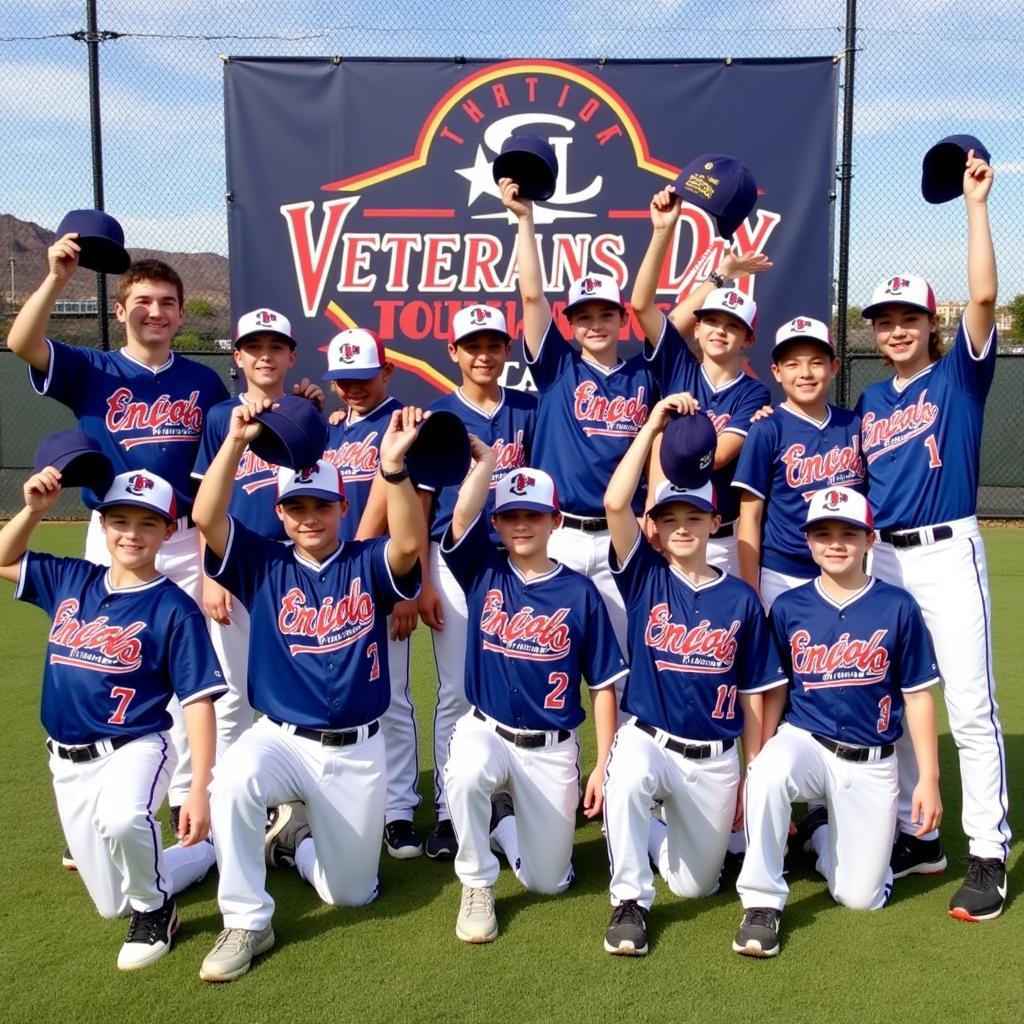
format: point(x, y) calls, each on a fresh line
point(204, 274)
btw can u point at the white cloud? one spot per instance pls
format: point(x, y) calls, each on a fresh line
point(199, 231)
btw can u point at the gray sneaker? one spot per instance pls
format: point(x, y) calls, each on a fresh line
point(477, 921)
point(759, 932)
point(287, 827)
point(233, 952)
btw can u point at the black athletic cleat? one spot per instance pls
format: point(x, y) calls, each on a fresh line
point(288, 828)
point(402, 840)
point(913, 856)
point(759, 932)
point(441, 844)
point(627, 930)
point(983, 893)
point(149, 937)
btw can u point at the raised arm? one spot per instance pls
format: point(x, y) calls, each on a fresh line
point(982, 279)
point(475, 488)
point(664, 217)
point(27, 339)
point(405, 517)
point(210, 510)
point(536, 309)
point(41, 492)
point(618, 498)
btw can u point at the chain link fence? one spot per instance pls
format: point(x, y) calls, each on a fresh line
point(923, 69)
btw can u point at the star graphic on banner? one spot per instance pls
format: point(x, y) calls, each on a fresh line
point(480, 178)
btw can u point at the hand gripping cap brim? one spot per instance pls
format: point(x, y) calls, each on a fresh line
point(688, 450)
point(440, 455)
point(942, 169)
point(531, 163)
point(294, 434)
point(100, 238)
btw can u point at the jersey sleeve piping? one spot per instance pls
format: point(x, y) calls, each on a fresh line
point(530, 359)
point(456, 544)
point(920, 686)
point(47, 378)
point(209, 691)
point(605, 683)
point(227, 551)
point(629, 556)
point(395, 588)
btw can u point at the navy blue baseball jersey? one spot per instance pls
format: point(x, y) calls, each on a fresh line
point(922, 441)
point(509, 430)
point(115, 657)
point(586, 420)
point(692, 648)
point(254, 492)
point(850, 663)
point(785, 459)
point(143, 418)
point(535, 639)
point(354, 447)
point(318, 640)
point(729, 405)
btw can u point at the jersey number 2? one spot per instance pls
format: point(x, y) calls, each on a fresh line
point(559, 683)
point(725, 694)
point(371, 653)
point(123, 695)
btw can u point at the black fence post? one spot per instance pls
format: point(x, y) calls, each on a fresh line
point(92, 42)
point(844, 174)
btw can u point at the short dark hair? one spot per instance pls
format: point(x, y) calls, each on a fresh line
point(150, 270)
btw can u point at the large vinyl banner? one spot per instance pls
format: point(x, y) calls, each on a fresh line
point(361, 194)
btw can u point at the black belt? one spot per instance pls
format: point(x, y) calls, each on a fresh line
point(847, 753)
point(88, 751)
point(725, 530)
point(528, 740)
point(335, 737)
point(693, 751)
point(915, 538)
point(588, 524)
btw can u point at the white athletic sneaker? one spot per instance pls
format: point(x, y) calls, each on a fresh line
point(149, 937)
point(477, 921)
point(233, 952)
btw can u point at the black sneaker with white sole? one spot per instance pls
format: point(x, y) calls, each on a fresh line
point(627, 930)
point(759, 932)
point(442, 844)
point(983, 893)
point(913, 856)
point(149, 937)
point(402, 840)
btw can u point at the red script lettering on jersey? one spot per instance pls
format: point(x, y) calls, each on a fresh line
point(867, 658)
point(618, 415)
point(546, 636)
point(118, 643)
point(701, 641)
point(802, 469)
point(125, 414)
point(333, 614)
point(902, 425)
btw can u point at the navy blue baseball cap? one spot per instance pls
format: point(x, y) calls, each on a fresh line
point(101, 239)
point(79, 457)
point(942, 170)
point(531, 163)
point(440, 455)
point(688, 450)
point(721, 186)
point(294, 433)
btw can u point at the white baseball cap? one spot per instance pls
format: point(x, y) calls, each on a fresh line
point(733, 302)
point(319, 481)
point(355, 354)
point(594, 287)
point(702, 497)
point(475, 319)
point(803, 328)
point(526, 488)
point(263, 321)
point(842, 504)
point(142, 489)
point(901, 290)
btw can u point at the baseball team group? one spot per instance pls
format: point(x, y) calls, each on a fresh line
point(758, 599)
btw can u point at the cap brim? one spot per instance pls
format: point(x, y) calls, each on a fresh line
point(694, 502)
point(837, 519)
point(365, 374)
point(796, 339)
point(524, 506)
point(102, 255)
point(870, 312)
point(134, 503)
point(582, 302)
point(265, 330)
point(482, 330)
point(310, 492)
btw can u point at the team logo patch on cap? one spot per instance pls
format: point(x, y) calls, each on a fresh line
point(139, 484)
point(733, 299)
point(896, 286)
point(265, 317)
point(589, 285)
point(347, 353)
point(835, 500)
point(842, 504)
point(800, 324)
point(521, 483)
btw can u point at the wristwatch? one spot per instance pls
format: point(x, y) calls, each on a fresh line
point(716, 279)
point(397, 477)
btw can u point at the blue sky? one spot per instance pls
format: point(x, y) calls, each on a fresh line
point(926, 68)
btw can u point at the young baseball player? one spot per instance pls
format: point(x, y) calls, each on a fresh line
point(539, 629)
point(859, 660)
point(591, 404)
point(506, 420)
point(318, 673)
point(264, 352)
point(699, 649)
point(720, 322)
point(123, 640)
point(805, 446)
point(922, 437)
point(359, 374)
point(145, 404)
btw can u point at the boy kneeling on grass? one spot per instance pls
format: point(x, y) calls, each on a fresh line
point(859, 659)
point(536, 629)
point(124, 641)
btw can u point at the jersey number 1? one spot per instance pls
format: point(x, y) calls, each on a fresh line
point(725, 694)
point(934, 461)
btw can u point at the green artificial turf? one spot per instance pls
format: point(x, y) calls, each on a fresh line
point(398, 959)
